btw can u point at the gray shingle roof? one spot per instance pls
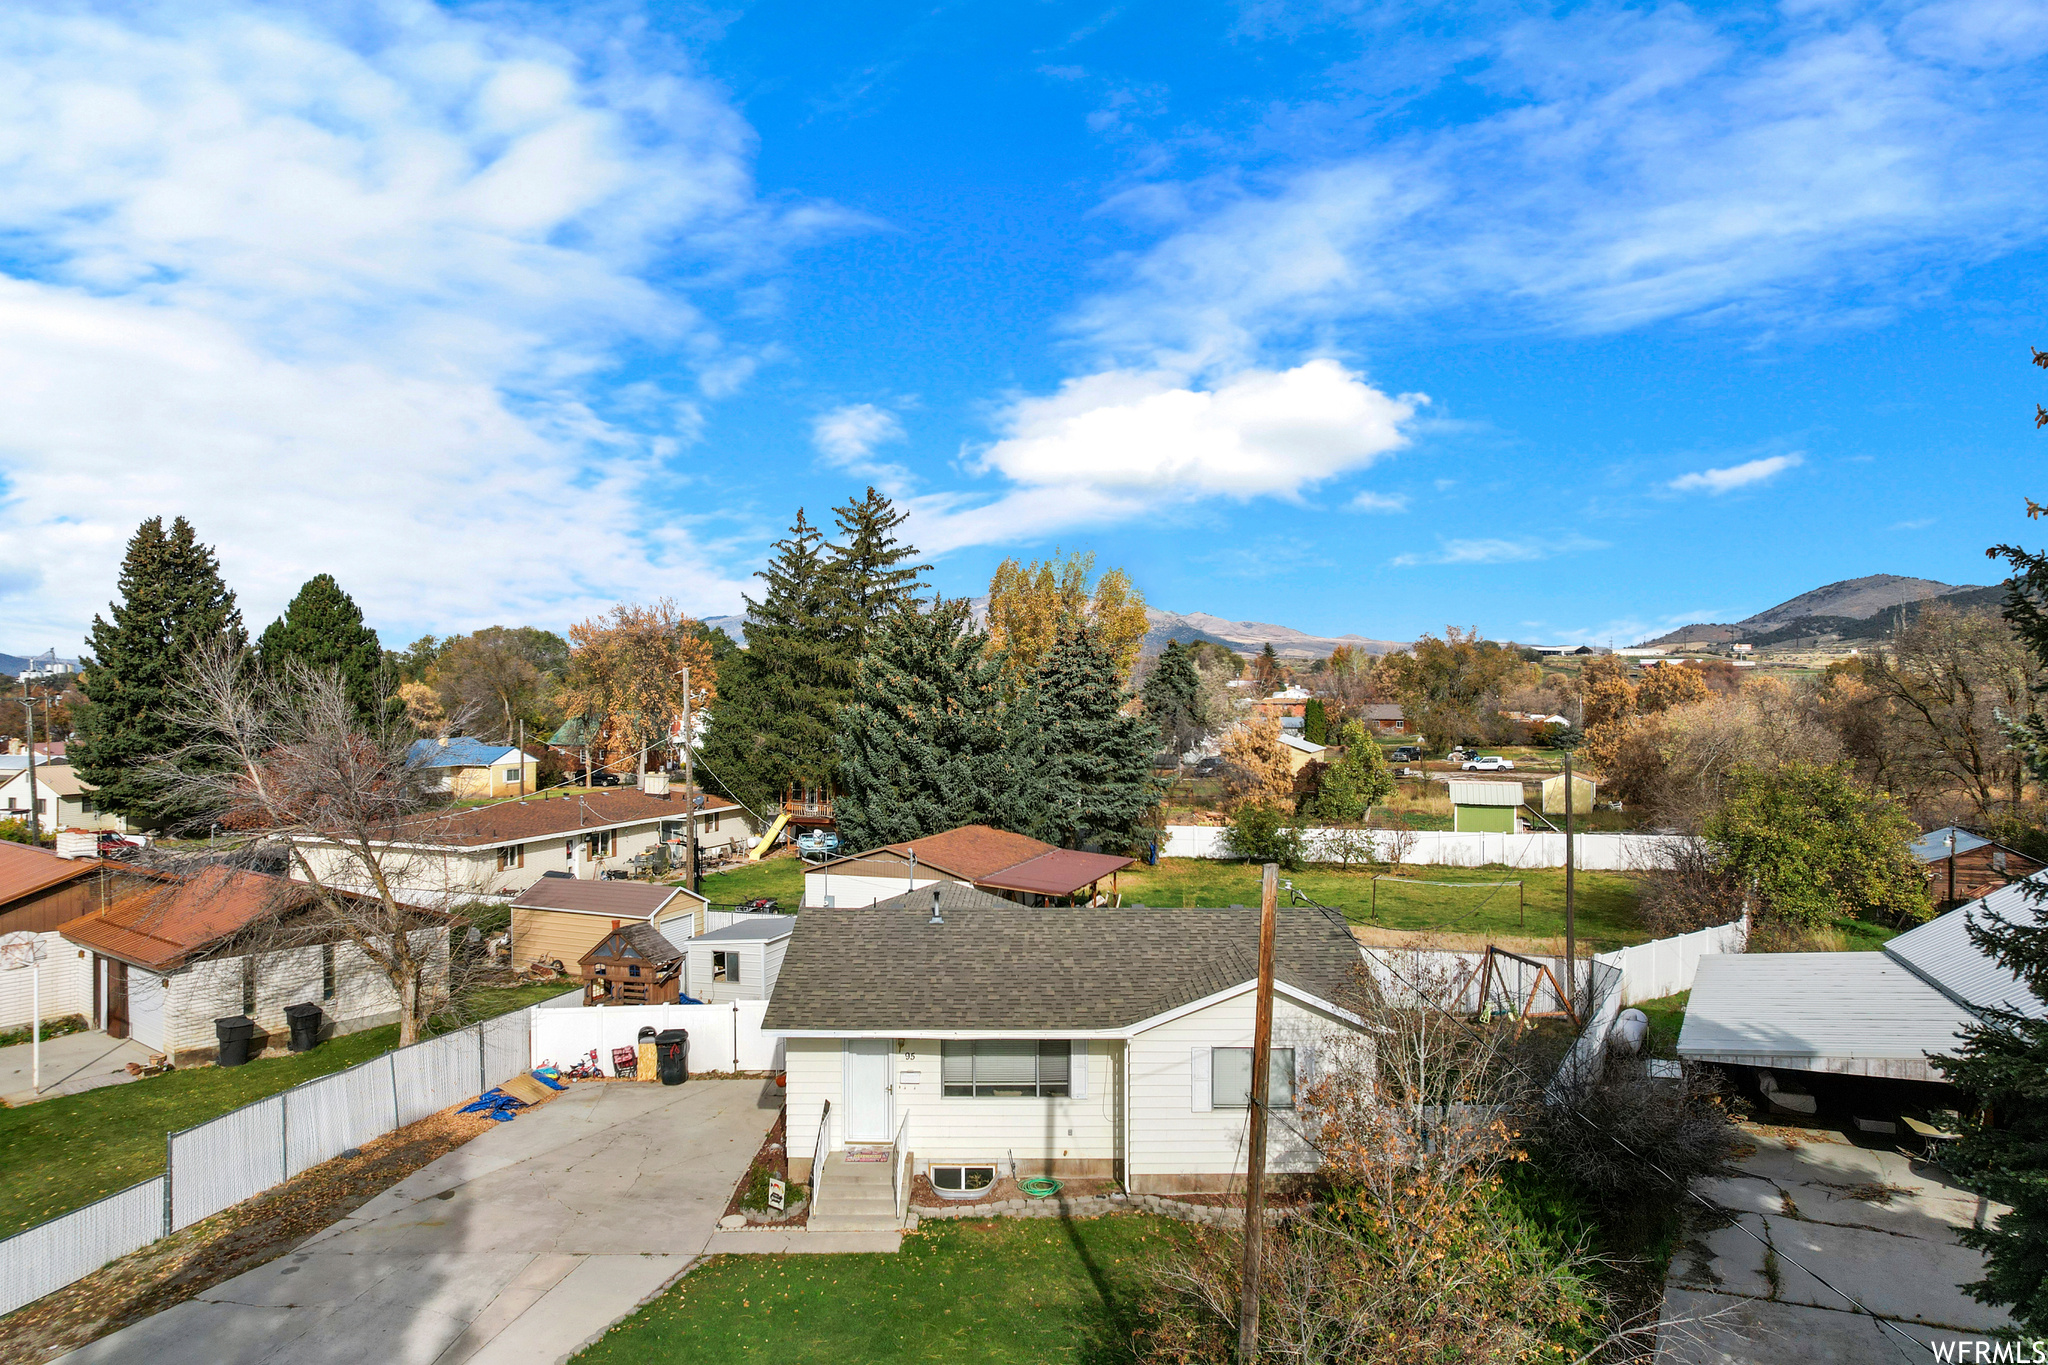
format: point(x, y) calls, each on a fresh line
point(750, 929)
point(952, 896)
point(1040, 970)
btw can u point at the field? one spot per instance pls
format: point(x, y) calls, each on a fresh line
point(59, 1154)
point(1007, 1292)
point(782, 878)
point(1605, 911)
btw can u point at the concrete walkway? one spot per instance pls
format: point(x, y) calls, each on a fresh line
point(75, 1062)
point(514, 1249)
point(1875, 1224)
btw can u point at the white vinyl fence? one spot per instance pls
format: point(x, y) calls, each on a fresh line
point(1651, 971)
point(724, 1037)
point(217, 1164)
point(1439, 848)
point(51, 1255)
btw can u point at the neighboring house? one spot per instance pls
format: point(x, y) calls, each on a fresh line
point(38, 892)
point(62, 799)
point(501, 849)
point(560, 918)
point(1289, 703)
point(1384, 718)
point(1021, 868)
point(474, 770)
point(1484, 807)
point(1862, 1014)
point(1053, 1041)
point(171, 959)
point(1962, 866)
point(742, 961)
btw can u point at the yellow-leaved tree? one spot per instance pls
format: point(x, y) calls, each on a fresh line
point(1027, 602)
point(625, 677)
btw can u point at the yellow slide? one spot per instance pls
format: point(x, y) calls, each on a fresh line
point(768, 841)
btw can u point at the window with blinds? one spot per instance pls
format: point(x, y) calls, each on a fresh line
point(997, 1068)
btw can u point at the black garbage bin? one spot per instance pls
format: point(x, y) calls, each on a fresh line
point(672, 1055)
point(234, 1033)
point(305, 1025)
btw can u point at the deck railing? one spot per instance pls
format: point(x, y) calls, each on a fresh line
point(820, 1152)
point(901, 1166)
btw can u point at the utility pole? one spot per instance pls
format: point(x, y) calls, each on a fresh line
point(1571, 940)
point(689, 791)
point(35, 818)
point(1255, 1160)
point(522, 759)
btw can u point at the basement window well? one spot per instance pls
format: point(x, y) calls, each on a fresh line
point(962, 1182)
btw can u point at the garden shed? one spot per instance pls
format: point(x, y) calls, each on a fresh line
point(632, 965)
point(1484, 807)
point(740, 961)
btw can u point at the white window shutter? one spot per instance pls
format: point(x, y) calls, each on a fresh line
point(1077, 1069)
point(1198, 1069)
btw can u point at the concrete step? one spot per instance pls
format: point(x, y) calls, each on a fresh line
point(852, 1222)
point(864, 1205)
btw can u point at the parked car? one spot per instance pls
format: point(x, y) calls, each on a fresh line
point(1488, 763)
point(112, 845)
point(1405, 753)
point(602, 779)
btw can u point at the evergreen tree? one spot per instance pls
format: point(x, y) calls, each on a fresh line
point(1172, 698)
point(172, 601)
point(1096, 759)
point(322, 629)
point(779, 698)
point(924, 745)
point(868, 569)
point(1358, 781)
point(1315, 722)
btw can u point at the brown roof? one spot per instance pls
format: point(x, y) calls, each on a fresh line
point(25, 870)
point(166, 927)
point(620, 900)
point(540, 818)
point(972, 851)
point(642, 941)
point(1061, 872)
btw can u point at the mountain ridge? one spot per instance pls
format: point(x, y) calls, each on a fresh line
point(1827, 609)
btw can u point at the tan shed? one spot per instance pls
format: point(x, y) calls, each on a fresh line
point(558, 920)
point(1582, 794)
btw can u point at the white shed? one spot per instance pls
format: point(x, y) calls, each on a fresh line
point(739, 962)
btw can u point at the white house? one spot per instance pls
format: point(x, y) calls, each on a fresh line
point(1067, 1041)
point(741, 961)
point(168, 961)
point(501, 849)
point(60, 798)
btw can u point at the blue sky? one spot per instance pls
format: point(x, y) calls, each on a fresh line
point(1568, 323)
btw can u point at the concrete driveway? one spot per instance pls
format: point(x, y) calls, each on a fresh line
point(519, 1246)
point(72, 1063)
point(1876, 1224)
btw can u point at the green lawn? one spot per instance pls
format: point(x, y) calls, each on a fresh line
point(1606, 909)
point(1667, 1017)
point(1003, 1291)
point(782, 878)
point(59, 1154)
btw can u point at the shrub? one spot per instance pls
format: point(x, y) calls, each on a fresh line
point(1260, 833)
point(1691, 891)
point(1631, 1144)
point(1817, 847)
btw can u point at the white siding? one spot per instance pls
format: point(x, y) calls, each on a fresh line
point(812, 1066)
point(697, 981)
point(66, 986)
point(1032, 1131)
point(771, 965)
point(856, 891)
point(1169, 1135)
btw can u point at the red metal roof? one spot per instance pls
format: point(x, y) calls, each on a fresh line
point(1061, 872)
point(25, 870)
point(972, 851)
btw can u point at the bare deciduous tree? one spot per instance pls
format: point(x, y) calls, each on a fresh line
point(283, 760)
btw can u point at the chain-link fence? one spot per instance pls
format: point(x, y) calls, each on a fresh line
point(217, 1164)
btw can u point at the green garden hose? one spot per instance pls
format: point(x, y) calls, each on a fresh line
point(1040, 1187)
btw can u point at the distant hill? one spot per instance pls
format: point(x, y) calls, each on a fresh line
point(1243, 637)
point(1852, 610)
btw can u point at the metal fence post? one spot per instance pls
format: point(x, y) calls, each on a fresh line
point(483, 1066)
point(284, 1136)
point(167, 1182)
point(392, 1058)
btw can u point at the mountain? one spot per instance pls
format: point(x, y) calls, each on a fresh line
point(1244, 637)
point(1853, 609)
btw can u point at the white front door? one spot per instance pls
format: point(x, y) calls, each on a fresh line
point(868, 1108)
point(146, 1008)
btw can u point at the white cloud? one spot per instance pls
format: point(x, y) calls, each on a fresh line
point(1916, 524)
point(1378, 502)
point(345, 296)
point(1499, 551)
point(1636, 164)
point(1113, 444)
point(1718, 481)
point(847, 436)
